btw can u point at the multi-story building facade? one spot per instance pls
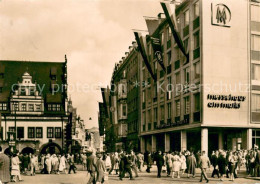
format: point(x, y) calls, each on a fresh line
point(133, 97)
point(75, 130)
point(124, 96)
point(211, 101)
point(33, 105)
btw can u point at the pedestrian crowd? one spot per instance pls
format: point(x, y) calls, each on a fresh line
point(225, 164)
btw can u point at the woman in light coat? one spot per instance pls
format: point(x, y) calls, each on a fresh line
point(183, 163)
point(62, 165)
point(168, 159)
point(48, 163)
point(176, 163)
point(15, 172)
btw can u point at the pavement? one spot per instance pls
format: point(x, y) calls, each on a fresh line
point(81, 177)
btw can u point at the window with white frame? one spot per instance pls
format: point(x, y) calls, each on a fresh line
point(187, 105)
point(255, 100)
point(255, 13)
point(178, 108)
point(197, 70)
point(196, 37)
point(186, 18)
point(196, 9)
point(255, 40)
point(255, 72)
point(187, 75)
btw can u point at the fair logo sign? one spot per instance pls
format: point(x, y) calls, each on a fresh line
point(220, 15)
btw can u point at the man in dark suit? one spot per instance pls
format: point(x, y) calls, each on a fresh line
point(91, 167)
point(4, 167)
point(127, 167)
point(159, 162)
point(214, 162)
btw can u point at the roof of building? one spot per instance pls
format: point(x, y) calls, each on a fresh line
point(43, 74)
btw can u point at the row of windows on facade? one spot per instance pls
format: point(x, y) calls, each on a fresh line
point(255, 50)
point(169, 87)
point(187, 15)
point(169, 109)
point(30, 107)
point(186, 72)
point(168, 59)
point(35, 132)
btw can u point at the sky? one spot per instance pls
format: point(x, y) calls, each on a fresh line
point(94, 34)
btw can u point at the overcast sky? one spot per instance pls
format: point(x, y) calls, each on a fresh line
point(93, 33)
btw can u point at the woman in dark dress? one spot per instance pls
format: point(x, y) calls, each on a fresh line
point(222, 164)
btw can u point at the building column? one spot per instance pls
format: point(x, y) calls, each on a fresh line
point(153, 143)
point(142, 144)
point(249, 139)
point(204, 140)
point(183, 140)
point(220, 140)
point(167, 142)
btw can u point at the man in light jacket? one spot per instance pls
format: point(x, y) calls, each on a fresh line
point(204, 163)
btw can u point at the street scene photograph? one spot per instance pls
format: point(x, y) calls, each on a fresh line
point(130, 91)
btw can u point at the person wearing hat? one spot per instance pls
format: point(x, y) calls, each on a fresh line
point(92, 167)
point(101, 168)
